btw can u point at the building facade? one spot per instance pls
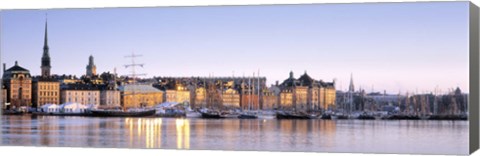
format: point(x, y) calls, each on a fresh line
point(18, 83)
point(183, 94)
point(140, 95)
point(307, 94)
point(170, 95)
point(200, 97)
point(80, 93)
point(45, 91)
point(231, 98)
point(110, 98)
point(269, 101)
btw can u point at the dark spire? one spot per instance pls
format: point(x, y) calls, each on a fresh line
point(45, 42)
point(46, 56)
point(351, 88)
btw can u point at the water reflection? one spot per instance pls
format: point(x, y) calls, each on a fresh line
point(148, 130)
point(232, 134)
point(183, 133)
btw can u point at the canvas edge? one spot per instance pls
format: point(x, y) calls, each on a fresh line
point(474, 79)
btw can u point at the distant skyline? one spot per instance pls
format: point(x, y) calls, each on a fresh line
point(396, 47)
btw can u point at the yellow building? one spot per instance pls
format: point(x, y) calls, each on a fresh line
point(301, 97)
point(330, 97)
point(269, 100)
point(45, 91)
point(307, 93)
point(171, 95)
point(80, 93)
point(18, 83)
point(140, 95)
point(200, 97)
point(286, 99)
point(183, 94)
point(231, 98)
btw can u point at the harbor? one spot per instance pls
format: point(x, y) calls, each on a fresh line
point(379, 136)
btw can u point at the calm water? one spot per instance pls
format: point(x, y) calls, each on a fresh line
point(421, 137)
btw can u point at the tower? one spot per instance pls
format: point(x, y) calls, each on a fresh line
point(351, 88)
point(91, 68)
point(46, 56)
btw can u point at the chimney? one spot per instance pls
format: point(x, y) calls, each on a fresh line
point(276, 83)
point(4, 67)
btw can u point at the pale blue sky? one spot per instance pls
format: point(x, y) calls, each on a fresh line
point(390, 46)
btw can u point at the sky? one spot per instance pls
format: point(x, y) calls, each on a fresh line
point(392, 47)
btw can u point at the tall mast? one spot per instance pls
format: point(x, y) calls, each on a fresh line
point(258, 88)
point(134, 75)
point(250, 91)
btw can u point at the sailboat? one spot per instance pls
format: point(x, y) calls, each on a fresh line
point(249, 114)
point(136, 112)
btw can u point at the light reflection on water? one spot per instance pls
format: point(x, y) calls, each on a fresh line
point(421, 137)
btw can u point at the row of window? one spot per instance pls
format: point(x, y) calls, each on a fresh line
point(43, 93)
point(23, 97)
point(48, 99)
point(83, 93)
point(49, 87)
point(82, 99)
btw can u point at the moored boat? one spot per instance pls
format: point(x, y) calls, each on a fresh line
point(248, 115)
point(121, 113)
point(211, 115)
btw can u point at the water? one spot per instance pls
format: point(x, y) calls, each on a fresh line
point(375, 136)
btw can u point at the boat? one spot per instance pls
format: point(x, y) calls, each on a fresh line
point(291, 115)
point(193, 114)
point(121, 113)
point(326, 116)
point(229, 115)
point(12, 112)
point(266, 115)
point(366, 117)
point(248, 115)
point(337, 115)
point(211, 115)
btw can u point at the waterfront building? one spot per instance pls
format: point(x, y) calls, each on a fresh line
point(45, 90)
point(80, 93)
point(109, 95)
point(91, 67)
point(183, 94)
point(200, 97)
point(231, 98)
point(171, 95)
point(18, 83)
point(306, 93)
point(4, 96)
point(140, 95)
point(269, 100)
point(286, 99)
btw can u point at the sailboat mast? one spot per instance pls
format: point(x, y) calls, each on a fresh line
point(258, 88)
point(134, 75)
point(250, 92)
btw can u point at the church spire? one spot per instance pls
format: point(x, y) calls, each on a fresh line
point(46, 56)
point(351, 88)
point(45, 42)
